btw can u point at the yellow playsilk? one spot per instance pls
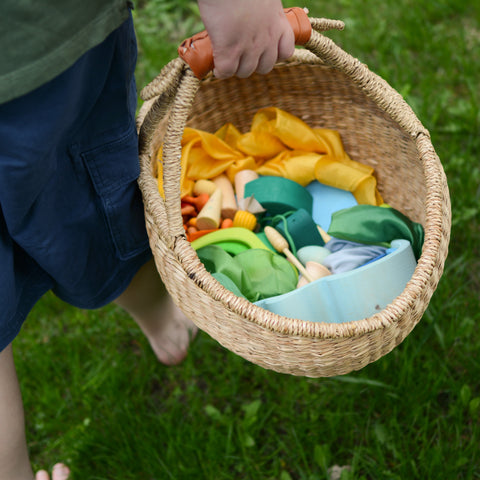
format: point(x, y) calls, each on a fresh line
point(277, 144)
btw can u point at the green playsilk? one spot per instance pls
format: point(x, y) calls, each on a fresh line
point(257, 273)
point(375, 226)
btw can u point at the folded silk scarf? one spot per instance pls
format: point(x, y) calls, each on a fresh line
point(279, 144)
point(375, 226)
point(351, 256)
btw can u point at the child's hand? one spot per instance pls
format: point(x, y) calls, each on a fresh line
point(247, 35)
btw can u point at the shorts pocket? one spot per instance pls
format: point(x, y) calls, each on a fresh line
point(113, 169)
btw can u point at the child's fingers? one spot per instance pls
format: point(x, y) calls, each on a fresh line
point(247, 65)
point(253, 58)
point(267, 61)
point(225, 66)
point(286, 44)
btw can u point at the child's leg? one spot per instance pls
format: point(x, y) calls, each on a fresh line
point(168, 330)
point(14, 461)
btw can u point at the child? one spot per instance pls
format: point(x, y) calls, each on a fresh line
point(71, 215)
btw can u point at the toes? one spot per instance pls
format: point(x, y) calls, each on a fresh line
point(170, 360)
point(60, 472)
point(171, 347)
point(171, 356)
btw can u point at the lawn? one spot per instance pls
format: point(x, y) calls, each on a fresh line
point(96, 398)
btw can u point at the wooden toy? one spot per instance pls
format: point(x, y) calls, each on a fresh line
point(279, 195)
point(316, 271)
point(326, 237)
point(281, 245)
point(191, 237)
point(241, 178)
point(188, 210)
point(204, 186)
point(226, 237)
point(250, 204)
point(312, 253)
point(245, 219)
point(327, 200)
point(226, 223)
point(229, 204)
point(349, 296)
point(198, 202)
point(209, 217)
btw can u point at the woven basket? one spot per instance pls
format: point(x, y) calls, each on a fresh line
point(327, 88)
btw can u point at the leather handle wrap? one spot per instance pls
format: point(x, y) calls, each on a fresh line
point(197, 51)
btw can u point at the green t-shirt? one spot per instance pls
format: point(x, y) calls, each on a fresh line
point(41, 39)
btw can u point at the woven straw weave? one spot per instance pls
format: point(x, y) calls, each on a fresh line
point(327, 88)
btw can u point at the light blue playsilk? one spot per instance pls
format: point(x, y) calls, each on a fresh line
point(327, 200)
point(349, 296)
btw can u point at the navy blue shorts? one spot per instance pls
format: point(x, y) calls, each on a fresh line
point(71, 214)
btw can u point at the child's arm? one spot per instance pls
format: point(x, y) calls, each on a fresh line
point(247, 35)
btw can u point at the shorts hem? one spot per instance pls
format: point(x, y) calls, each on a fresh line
point(108, 294)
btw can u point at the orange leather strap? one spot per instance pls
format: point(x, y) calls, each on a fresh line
point(197, 50)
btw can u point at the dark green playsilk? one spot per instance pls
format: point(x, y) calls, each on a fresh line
point(302, 229)
point(376, 226)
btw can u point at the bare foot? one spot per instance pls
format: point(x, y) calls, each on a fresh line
point(166, 327)
point(169, 334)
point(59, 472)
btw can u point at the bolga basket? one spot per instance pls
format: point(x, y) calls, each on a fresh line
point(327, 88)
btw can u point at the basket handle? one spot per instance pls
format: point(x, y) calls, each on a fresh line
point(197, 50)
point(182, 84)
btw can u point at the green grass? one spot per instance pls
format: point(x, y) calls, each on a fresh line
point(96, 398)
